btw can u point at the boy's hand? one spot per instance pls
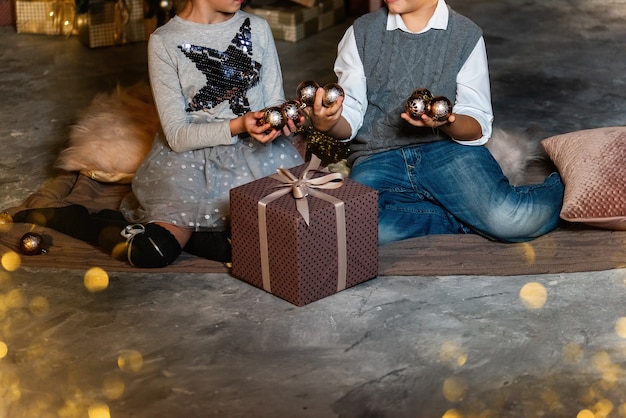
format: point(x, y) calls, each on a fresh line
point(324, 118)
point(426, 121)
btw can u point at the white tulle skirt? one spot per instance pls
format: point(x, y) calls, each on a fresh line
point(191, 189)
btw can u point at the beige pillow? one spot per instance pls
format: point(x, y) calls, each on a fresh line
point(592, 164)
point(104, 177)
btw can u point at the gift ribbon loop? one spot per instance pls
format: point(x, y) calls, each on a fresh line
point(300, 187)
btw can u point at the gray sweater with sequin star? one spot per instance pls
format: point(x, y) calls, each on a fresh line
point(202, 76)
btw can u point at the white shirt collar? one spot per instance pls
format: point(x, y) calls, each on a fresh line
point(439, 20)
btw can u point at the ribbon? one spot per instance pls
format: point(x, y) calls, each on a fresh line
point(300, 188)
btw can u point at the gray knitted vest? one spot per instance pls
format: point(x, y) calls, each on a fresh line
point(395, 64)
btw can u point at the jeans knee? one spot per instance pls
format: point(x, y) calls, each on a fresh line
point(364, 177)
point(521, 227)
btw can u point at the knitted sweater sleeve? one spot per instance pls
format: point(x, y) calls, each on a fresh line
point(180, 131)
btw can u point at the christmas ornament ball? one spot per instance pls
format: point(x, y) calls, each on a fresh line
point(418, 103)
point(305, 92)
point(5, 218)
point(274, 116)
point(440, 109)
point(423, 93)
point(32, 243)
point(332, 92)
point(291, 110)
point(416, 107)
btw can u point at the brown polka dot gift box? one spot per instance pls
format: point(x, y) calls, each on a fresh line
point(304, 234)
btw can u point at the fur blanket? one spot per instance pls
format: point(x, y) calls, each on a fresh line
point(112, 135)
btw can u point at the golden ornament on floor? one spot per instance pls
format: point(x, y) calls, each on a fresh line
point(6, 222)
point(5, 218)
point(32, 243)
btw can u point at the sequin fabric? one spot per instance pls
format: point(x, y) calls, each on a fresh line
point(230, 74)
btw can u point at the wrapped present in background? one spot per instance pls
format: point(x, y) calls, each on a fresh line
point(303, 255)
point(292, 22)
point(45, 17)
point(7, 13)
point(112, 22)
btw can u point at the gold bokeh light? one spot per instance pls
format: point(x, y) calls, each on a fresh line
point(529, 253)
point(452, 354)
point(96, 279)
point(452, 413)
point(620, 327)
point(99, 411)
point(11, 261)
point(130, 360)
point(113, 387)
point(454, 389)
point(533, 295)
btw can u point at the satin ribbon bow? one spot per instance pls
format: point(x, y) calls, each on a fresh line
point(303, 186)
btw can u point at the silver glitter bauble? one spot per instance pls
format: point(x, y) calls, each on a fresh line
point(305, 92)
point(332, 92)
point(440, 109)
point(418, 103)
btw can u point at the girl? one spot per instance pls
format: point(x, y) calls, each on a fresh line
point(212, 69)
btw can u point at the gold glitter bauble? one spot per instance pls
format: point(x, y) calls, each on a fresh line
point(292, 110)
point(32, 243)
point(5, 219)
point(305, 92)
point(275, 117)
point(332, 92)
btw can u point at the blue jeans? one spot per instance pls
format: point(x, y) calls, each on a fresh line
point(443, 187)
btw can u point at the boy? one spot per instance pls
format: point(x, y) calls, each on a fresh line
point(432, 177)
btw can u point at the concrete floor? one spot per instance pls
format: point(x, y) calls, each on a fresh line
point(194, 345)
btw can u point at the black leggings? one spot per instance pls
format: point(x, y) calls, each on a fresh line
point(146, 246)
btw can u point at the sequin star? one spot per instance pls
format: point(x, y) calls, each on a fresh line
point(230, 74)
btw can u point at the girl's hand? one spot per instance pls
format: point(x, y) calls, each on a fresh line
point(426, 121)
point(324, 118)
point(263, 133)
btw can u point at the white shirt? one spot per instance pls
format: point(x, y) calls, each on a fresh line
point(473, 88)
